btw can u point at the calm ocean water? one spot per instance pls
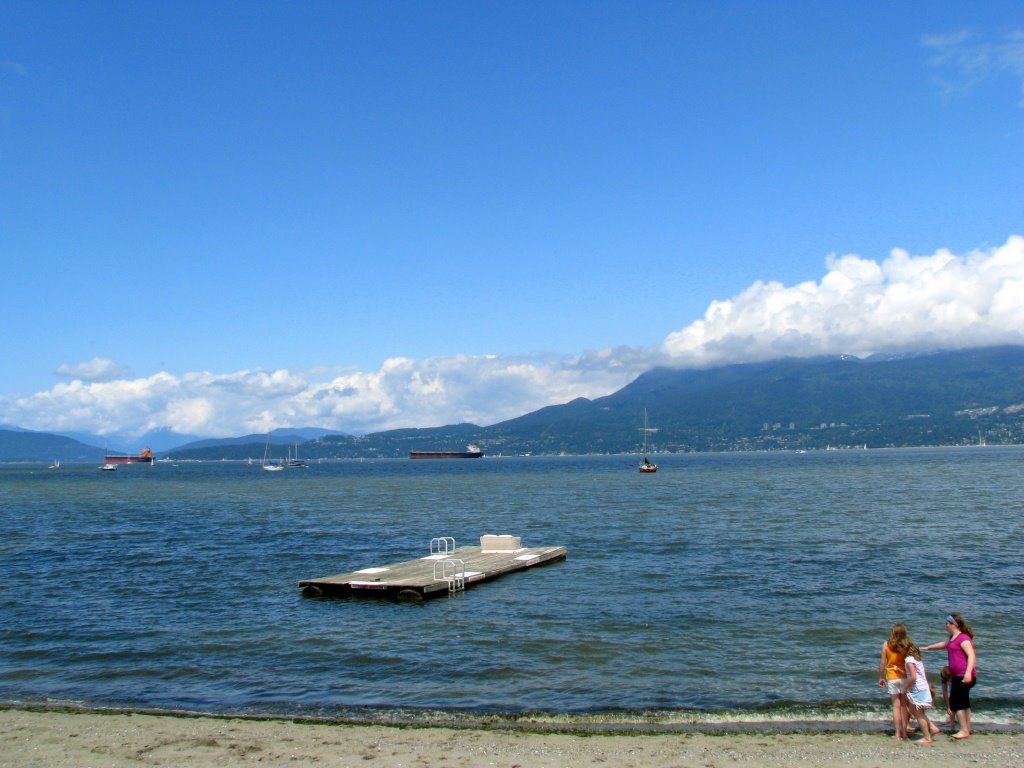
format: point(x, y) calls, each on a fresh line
point(727, 586)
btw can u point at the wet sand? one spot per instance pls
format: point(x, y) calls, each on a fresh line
point(69, 739)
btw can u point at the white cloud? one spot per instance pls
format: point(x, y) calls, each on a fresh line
point(861, 307)
point(97, 369)
point(403, 393)
point(964, 59)
point(481, 389)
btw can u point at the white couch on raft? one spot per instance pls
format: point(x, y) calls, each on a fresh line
point(490, 543)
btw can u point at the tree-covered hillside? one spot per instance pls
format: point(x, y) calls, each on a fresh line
point(20, 445)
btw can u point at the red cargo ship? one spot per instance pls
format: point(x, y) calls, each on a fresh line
point(145, 456)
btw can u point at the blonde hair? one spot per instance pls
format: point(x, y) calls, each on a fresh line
point(898, 638)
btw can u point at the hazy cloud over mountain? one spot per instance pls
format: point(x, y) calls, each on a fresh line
point(859, 307)
point(403, 392)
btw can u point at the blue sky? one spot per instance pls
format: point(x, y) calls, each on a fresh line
point(227, 217)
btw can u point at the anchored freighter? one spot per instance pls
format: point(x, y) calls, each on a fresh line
point(145, 456)
point(471, 452)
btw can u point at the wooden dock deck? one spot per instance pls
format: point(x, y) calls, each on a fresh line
point(446, 569)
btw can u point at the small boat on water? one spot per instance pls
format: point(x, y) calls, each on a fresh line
point(647, 466)
point(472, 452)
point(108, 467)
point(56, 464)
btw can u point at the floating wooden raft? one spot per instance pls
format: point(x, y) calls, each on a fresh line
point(446, 569)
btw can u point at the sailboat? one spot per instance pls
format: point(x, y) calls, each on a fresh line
point(265, 465)
point(294, 462)
point(647, 466)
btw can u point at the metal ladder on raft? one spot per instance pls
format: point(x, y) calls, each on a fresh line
point(450, 569)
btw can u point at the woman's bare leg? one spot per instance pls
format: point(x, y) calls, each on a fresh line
point(963, 717)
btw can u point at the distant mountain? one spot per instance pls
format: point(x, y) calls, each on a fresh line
point(156, 440)
point(306, 433)
point(24, 445)
point(164, 440)
point(17, 444)
point(944, 398)
point(283, 436)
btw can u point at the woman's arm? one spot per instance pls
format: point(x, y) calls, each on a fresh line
point(968, 649)
point(935, 646)
point(881, 665)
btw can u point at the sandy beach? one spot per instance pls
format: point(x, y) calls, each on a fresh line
point(83, 740)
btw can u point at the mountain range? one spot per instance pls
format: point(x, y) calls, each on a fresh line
point(943, 398)
point(17, 444)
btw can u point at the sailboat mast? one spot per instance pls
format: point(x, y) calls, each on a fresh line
point(646, 430)
point(647, 466)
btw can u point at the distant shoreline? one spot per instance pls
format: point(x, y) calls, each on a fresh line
point(850, 449)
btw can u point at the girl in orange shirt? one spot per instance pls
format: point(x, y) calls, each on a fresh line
point(891, 674)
